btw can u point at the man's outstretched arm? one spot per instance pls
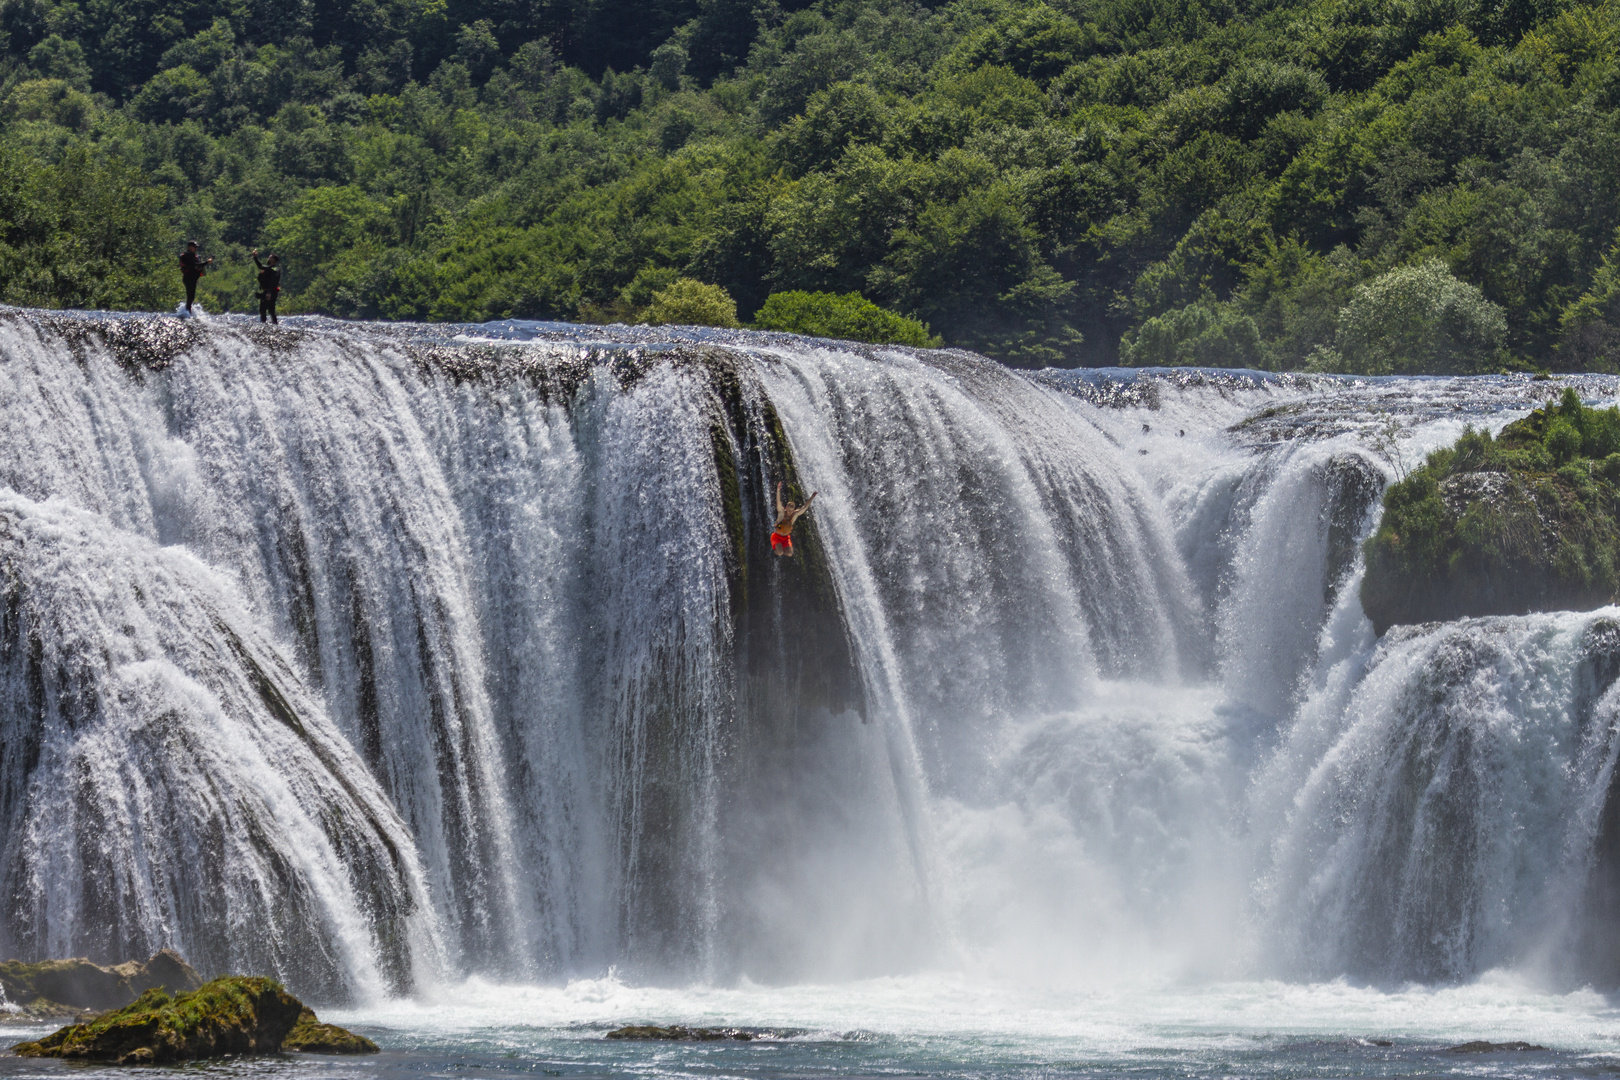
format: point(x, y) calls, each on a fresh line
point(780, 509)
point(805, 509)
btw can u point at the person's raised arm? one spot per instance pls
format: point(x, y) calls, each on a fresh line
point(780, 509)
point(805, 509)
point(256, 262)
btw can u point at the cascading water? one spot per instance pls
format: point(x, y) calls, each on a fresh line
point(373, 659)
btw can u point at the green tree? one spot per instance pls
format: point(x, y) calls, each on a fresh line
point(688, 302)
point(1202, 335)
point(850, 316)
point(1419, 319)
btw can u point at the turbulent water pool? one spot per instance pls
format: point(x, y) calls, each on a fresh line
point(957, 1027)
point(447, 675)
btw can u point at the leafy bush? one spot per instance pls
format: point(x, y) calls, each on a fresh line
point(850, 316)
point(1419, 319)
point(688, 302)
point(1201, 335)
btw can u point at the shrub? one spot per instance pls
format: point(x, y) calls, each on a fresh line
point(850, 316)
point(1563, 441)
point(689, 302)
point(1202, 335)
point(1418, 319)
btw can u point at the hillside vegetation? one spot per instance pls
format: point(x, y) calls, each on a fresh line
point(1368, 185)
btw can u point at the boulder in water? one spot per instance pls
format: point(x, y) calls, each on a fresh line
point(678, 1033)
point(1480, 1046)
point(229, 1016)
point(1528, 521)
point(54, 989)
point(310, 1036)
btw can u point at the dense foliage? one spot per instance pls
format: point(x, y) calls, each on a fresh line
point(1523, 522)
point(1375, 184)
point(851, 317)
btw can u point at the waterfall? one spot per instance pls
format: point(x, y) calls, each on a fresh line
point(168, 780)
point(374, 657)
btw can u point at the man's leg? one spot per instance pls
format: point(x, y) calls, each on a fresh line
point(191, 292)
point(272, 298)
point(264, 307)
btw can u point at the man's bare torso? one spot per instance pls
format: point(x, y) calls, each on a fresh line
point(786, 519)
point(787, 514)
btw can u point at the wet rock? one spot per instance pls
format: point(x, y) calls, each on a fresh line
point(1480, 1046)
point(235, 1015)
point(165, 968)
point(60, 989)
point(310, 1036)
point(1352, 488)
point(1595, 948)
point(681, 1034)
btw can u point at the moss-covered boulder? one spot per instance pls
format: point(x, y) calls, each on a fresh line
point(57, 989)
point(310, 1036)
point(229, 1016)
point(1523, 522)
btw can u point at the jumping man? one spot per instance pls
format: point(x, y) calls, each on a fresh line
point(786, 516)
point(192, 267)
point(269, 286)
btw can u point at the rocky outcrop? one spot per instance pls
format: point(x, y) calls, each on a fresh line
point(1480, 1046)
point(1528, 521)
point(236, 1015)
point(58, 989)
point(310, 1036)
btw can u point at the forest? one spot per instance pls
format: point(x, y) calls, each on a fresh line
point(1358, 185)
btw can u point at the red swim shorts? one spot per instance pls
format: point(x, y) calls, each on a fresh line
point(780, 541)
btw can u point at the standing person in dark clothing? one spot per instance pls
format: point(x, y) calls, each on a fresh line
point(269, 286)
point(192, 267)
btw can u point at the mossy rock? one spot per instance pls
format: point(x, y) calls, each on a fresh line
point(230, 1016)
point(310, 1036)
point(1528, 521)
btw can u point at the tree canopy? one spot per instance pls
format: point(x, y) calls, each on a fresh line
point(1381, 185)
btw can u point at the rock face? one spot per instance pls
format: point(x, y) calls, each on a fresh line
point(52, 989)
point(681, 1034)
point(1529, 521)
point(229, 1016)
point(310, 1036)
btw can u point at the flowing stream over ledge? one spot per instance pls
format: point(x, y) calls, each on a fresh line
point(381, 658)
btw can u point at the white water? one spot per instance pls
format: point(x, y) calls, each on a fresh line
point(1125, 726)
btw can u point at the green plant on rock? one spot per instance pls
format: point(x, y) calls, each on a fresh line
point(232, 1015)
point(310, 1036)
point(1527, 521)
